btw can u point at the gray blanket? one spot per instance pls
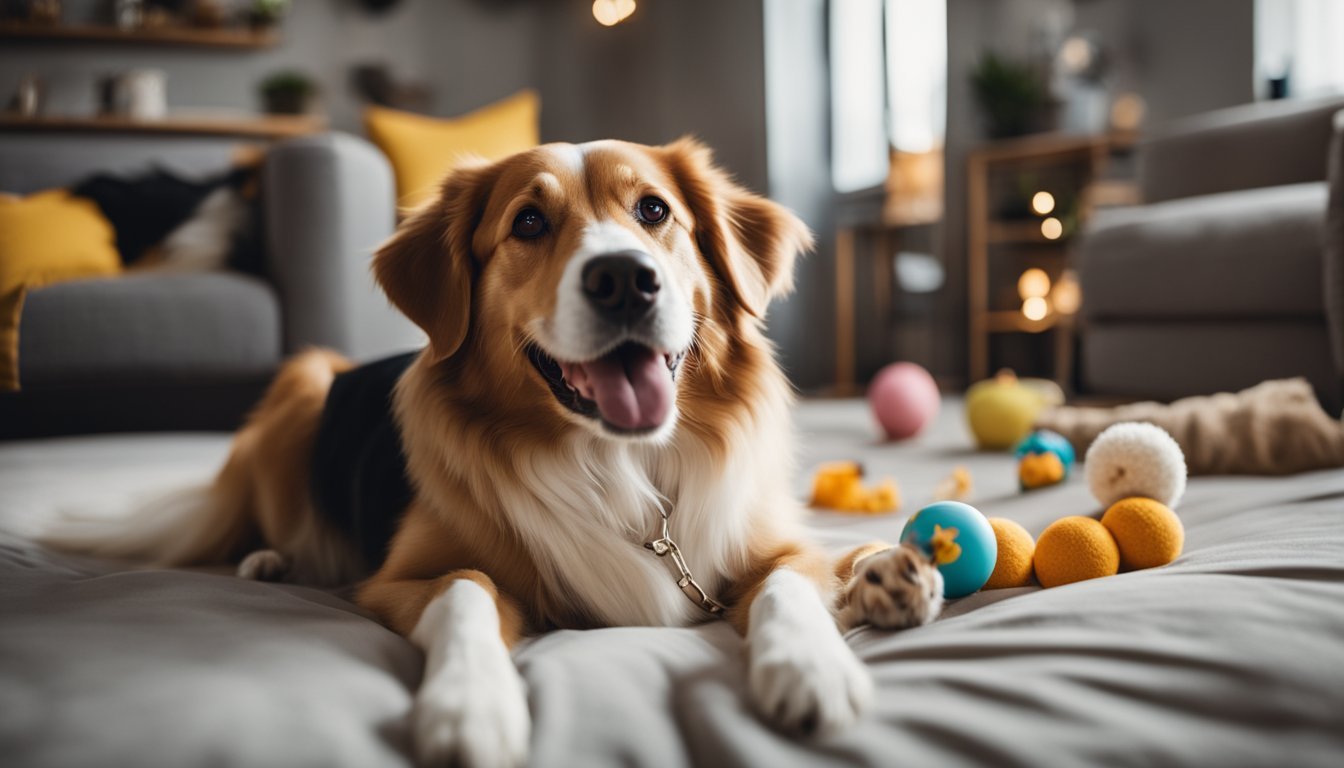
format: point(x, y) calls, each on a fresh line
point(1232, 656)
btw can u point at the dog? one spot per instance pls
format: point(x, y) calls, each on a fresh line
point(597, 434)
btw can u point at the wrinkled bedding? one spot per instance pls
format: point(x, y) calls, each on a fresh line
point(1232, 656)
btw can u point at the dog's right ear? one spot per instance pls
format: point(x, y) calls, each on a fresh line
point(427, 268)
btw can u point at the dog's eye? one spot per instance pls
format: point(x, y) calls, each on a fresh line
point(652, 210)
point(529, 223)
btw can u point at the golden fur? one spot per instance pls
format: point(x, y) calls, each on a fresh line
point(512, 492)
point(471, 405)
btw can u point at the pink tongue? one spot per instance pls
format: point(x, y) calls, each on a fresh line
point(631, 385)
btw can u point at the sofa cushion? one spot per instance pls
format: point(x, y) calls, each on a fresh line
point(1233, 255)
point(422, 149)
point(1172, 359)
point(149, 326)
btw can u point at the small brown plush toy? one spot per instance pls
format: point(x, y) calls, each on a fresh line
point(1273, 428)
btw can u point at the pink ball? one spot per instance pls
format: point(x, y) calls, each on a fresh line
point(904, 398)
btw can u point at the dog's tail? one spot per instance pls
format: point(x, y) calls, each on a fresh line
point(217, 523)
point(194, 525)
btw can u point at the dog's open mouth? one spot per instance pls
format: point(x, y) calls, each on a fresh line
point(630, 389)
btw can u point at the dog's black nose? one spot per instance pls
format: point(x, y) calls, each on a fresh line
point(621, 286)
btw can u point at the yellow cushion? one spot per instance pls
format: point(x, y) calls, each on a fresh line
point(423, 149)
point(46, 238)
point(11, 306)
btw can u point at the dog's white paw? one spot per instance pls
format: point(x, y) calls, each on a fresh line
point(472, 706)
point(478, 718)
point(264, 565)
point(801, 675)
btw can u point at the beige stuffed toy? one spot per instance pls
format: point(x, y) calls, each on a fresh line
point(1274, 428)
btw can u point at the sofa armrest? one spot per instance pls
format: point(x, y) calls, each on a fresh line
point(329, 201)
point(1255, 145)
point(1333, 277)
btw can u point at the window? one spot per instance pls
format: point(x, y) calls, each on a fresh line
point(888, 85)
point(1297, 47)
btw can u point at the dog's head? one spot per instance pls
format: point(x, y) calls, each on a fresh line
point(588, 271)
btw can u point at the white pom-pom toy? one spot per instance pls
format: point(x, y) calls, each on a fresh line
point(1135, 459)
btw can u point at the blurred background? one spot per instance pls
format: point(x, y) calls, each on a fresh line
point(954, 157)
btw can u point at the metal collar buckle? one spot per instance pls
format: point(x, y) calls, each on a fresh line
point(665, 546)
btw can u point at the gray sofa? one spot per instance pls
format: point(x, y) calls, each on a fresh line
point(1230, 273)
point(194, 351)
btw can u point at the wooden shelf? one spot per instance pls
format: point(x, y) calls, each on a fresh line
point(1014, 322)
point(1026, 232)
point(237, 38)
point(246, 126)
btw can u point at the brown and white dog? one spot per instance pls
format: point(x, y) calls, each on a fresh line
point(596, 366)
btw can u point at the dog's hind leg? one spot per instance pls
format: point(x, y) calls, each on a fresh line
point(264, 565)
point(276, 447)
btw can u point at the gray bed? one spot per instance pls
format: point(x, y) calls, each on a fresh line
point(1232, 656)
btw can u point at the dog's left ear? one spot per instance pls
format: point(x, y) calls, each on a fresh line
point(751, 241)
point(427, 268)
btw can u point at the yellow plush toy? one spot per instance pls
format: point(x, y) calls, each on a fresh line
point(839, 485)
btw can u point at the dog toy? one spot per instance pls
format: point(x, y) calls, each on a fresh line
point(1148, 533)
point(1137, 531)
point(955, 487)
point(959, 541)
point(1000, 410)
point(1075, 548)
point(1043, 458)
point(904, 399)
point(839, 485)
point(1135, 459)
point(1016, 549)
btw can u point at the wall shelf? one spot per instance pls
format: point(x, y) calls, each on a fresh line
point(237, 38)
point(245, 126)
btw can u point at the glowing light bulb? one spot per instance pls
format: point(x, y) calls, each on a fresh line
point(1033, 284)
point(1067, 296)
point(1042, 202)
point(1052, 228)
point(1035, 308)
point(609, 13)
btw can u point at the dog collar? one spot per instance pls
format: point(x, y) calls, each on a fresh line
point(664, 546)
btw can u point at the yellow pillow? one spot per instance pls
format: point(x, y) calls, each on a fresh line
point(46, 238)
point(423, 149)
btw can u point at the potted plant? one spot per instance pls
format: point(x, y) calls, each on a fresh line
point(266, 14)
point(288, 93)
point(1013, 96)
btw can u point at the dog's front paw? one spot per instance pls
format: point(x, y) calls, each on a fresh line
point(896, 588)
point(810, 685)
point(801, 675)
point(472, 706)
point(473, 714)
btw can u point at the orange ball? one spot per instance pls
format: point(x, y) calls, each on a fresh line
point(1148, 533)
point(1075, 549)
point(1016, 549)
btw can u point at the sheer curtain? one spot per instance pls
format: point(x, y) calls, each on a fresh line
point(888, 85)
point(1302, 40)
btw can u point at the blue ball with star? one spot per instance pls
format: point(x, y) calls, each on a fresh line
point(959, 541)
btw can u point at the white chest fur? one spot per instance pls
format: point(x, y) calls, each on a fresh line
point(586, 511)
